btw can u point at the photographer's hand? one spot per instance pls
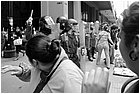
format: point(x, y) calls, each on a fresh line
point(96, 81)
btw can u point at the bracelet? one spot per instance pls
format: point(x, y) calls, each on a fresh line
point(24, 67)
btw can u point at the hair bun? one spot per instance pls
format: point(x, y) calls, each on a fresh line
point(55, 46)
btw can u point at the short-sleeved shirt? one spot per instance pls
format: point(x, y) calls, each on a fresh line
point(103, 37)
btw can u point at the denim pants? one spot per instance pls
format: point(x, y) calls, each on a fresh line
point(104, 46)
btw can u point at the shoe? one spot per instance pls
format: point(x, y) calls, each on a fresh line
point(111, 63)
point(23, 53)
point(105, 62)
point(90, 59)
point(93, 57)
point(97, 64)
point(16, 58)
point(108, 68)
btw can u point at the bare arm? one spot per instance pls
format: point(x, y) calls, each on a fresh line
point(109, 38)
point(23, 71)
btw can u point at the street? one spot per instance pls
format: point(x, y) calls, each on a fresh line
point(11, 84)
point(87, 25)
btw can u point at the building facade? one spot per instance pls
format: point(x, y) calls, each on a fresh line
point(88, 11)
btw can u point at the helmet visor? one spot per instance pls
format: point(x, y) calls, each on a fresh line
point(49, 21)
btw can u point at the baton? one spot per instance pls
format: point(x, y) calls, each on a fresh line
point(31, 13)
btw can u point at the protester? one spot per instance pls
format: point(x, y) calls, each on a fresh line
point(48, 59)
point(18, 36)
point(28, 30)
point(129, 48)
point(2, 43)
point(97, 25)
point(88, 41)
point(92, 39)
point(70, 42)
point(113, 34)
point(103, 43)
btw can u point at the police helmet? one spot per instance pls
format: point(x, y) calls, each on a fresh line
point(62, 20)
point(70, 23)
point(45, 24)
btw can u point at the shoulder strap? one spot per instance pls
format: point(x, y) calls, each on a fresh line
point(43, 82)
point(127, 82)
point(99, 39)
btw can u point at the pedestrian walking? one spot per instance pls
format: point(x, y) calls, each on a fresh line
point(28, 30)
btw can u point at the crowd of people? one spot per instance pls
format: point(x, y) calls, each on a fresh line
point(54, 62)
point(19, 39)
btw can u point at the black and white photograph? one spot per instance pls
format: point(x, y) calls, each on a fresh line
point(70, 46)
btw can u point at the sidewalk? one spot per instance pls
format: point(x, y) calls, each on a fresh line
point(116, 81)
point(11, 84)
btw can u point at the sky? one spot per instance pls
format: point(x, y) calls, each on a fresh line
point(120, 5)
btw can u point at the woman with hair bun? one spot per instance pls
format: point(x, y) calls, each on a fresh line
point(51, 70)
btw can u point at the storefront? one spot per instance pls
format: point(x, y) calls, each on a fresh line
point(20, 11)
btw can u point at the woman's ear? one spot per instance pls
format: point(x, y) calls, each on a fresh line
point(136, 44)
point(34, 63)
point(134, 54)
point(55, 45)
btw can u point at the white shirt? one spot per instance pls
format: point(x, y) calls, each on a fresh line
point(66, 79)
point(103, 37)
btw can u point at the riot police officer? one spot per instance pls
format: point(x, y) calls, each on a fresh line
point(45, 27)
point(70, 41)
point(62, 20)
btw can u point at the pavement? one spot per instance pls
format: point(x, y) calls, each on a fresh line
point(11, 84)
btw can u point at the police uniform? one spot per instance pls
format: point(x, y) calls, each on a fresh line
point(70, 44)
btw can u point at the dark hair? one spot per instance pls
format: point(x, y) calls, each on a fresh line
point(104, 26)
point(45, 31)
point(42, 49)
point(130, 23)
point(114, 27)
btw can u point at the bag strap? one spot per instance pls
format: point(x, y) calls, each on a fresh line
point(43, 82)
point(99, 39)
point(127, 82)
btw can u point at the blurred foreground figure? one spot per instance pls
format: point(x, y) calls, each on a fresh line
point(129, 48)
